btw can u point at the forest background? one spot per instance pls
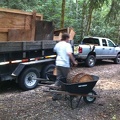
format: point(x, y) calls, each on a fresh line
point(87, 17)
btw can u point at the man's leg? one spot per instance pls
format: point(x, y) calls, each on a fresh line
point(62, 72)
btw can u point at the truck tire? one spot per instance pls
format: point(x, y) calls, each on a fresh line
point(90, 61)
point(26, 79)
point(48, 68)
point(117, 59)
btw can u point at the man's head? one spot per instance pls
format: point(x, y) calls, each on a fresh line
point(65, 37)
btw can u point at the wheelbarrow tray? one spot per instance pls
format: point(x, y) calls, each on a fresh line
point(76, 88)
point(80, 88)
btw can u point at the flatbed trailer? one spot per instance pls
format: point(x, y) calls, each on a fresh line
point(26, 47)
point(35, 58)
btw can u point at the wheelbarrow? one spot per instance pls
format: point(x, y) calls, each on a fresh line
point(82, 90)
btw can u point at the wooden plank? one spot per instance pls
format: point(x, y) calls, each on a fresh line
point(19, 35)
point(57, 37)
point(3, 30)
point(9, 20)
point(33, 26)
point(3, 37)
point(58, 33)
point(15, 11)
point(72, 33)
point(26, 24)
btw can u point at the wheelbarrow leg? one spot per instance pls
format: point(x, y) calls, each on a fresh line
point(78, 101)
point(71, 101)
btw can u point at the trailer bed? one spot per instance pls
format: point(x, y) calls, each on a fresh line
point(25, 46)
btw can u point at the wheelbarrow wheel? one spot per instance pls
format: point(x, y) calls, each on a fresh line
point(89, 99)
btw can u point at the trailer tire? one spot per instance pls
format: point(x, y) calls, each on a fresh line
point(90, 99)
point(26, 81)
point(90, 61)
point(48, 68)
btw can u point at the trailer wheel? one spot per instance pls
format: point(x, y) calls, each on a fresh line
point(117, 59)
point(26, 80)
point(90, 61)
point(90, 99)
point(48, 68)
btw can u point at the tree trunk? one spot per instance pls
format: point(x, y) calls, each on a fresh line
point(82, 29)
point(89, 21)
point(62, 14)
point(76, 9)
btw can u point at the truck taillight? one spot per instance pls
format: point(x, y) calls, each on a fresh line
point(80, 49)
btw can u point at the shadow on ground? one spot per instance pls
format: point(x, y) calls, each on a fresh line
point(98, 63)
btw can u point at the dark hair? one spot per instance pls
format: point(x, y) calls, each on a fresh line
point(65, 36)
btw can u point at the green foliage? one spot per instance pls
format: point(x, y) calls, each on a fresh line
point(27, 5)
point(99, 17)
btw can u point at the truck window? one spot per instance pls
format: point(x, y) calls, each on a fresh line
point(90, 41)
point(104, 43)
point(110, 43)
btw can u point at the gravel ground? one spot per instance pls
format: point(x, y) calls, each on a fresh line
point(16, 104)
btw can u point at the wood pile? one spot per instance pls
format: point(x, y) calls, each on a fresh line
point(79, 78)
point(76, 78)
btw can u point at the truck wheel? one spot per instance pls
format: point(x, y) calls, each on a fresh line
point(48, 68)
point(117, 59)
point(90, 61)
point(90, 99)
point(26, 80)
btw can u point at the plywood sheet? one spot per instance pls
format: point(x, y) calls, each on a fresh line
point(19, 35)
point(3, 37)
point(44, 30)
point(9, 20)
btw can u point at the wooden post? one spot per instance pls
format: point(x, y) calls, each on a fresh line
point(33, 25)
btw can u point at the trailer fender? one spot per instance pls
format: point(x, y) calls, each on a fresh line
point(21, 66)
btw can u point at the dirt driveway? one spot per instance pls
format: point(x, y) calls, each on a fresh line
point(37, 105)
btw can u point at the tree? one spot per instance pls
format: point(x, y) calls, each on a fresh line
point(93, 5)
point(62, 13)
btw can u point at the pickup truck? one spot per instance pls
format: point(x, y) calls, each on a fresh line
point(92, 49)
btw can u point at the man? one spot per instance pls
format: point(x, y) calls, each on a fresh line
point(64, 56)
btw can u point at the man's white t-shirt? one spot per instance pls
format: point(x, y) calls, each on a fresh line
point(62, 49)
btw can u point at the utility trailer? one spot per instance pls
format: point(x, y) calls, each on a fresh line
point(26, 47)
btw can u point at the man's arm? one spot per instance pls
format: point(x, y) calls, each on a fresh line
point(72, 59)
